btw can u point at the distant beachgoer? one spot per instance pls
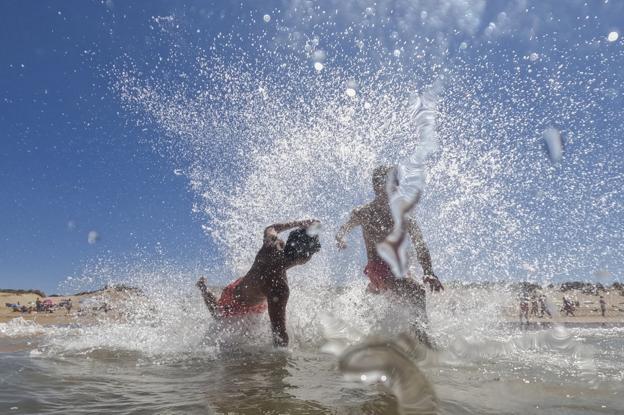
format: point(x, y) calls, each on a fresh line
point(603, 306)
point(38, 305)
point(568, 307)
point(68, 305)
point(543, 307)
point(453, 306)
point(377, 223)
point(534, 306)
point(524, 309)
point(266, 285)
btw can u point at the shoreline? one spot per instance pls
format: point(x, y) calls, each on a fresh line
point(58, 319)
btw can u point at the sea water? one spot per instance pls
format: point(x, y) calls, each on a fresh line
point(182, 361)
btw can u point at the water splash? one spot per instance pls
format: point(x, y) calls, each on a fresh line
point(381, 360)
point(554, 143)
point(18, 327)
point(411, 178)
point(301, 146)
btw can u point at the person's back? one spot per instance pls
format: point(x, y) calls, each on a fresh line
point(265, 285)
point(267, 271)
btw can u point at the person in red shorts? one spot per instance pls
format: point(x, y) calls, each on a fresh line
point(265, 286)
point(377, 223)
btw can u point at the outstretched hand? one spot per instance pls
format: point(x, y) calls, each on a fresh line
point(310, 222)
point(434, 283)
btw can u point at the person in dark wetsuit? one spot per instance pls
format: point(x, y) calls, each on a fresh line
point(377, 223)
point(265, 286)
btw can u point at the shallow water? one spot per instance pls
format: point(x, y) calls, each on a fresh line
point(509, 372)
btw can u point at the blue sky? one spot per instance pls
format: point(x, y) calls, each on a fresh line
point(75, 159)
point(68, 155)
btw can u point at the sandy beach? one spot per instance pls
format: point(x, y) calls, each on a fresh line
point(84, 306)
point(587, 311)
point(587, 308)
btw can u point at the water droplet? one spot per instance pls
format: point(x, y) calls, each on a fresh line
point(367, 105)
point(350, 92)
point(613, 36)
point(93, 237)
point(318, 66)
point(266, 18)
point(533, 57)
point(463, 45)
point(396, 53)
point(318, 55)
point(552, 137)
point(363, 378)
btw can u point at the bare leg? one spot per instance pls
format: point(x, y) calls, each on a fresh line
point(209, 299)
point(409, 290)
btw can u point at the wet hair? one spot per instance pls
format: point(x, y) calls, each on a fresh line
point(301, 245)
point(380, 177)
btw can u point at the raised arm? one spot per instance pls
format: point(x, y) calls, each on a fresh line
point(423, 255)
point(353, 221)
point(277, 300)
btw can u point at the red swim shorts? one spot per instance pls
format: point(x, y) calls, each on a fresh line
point(379, 274)
point(230, 306)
